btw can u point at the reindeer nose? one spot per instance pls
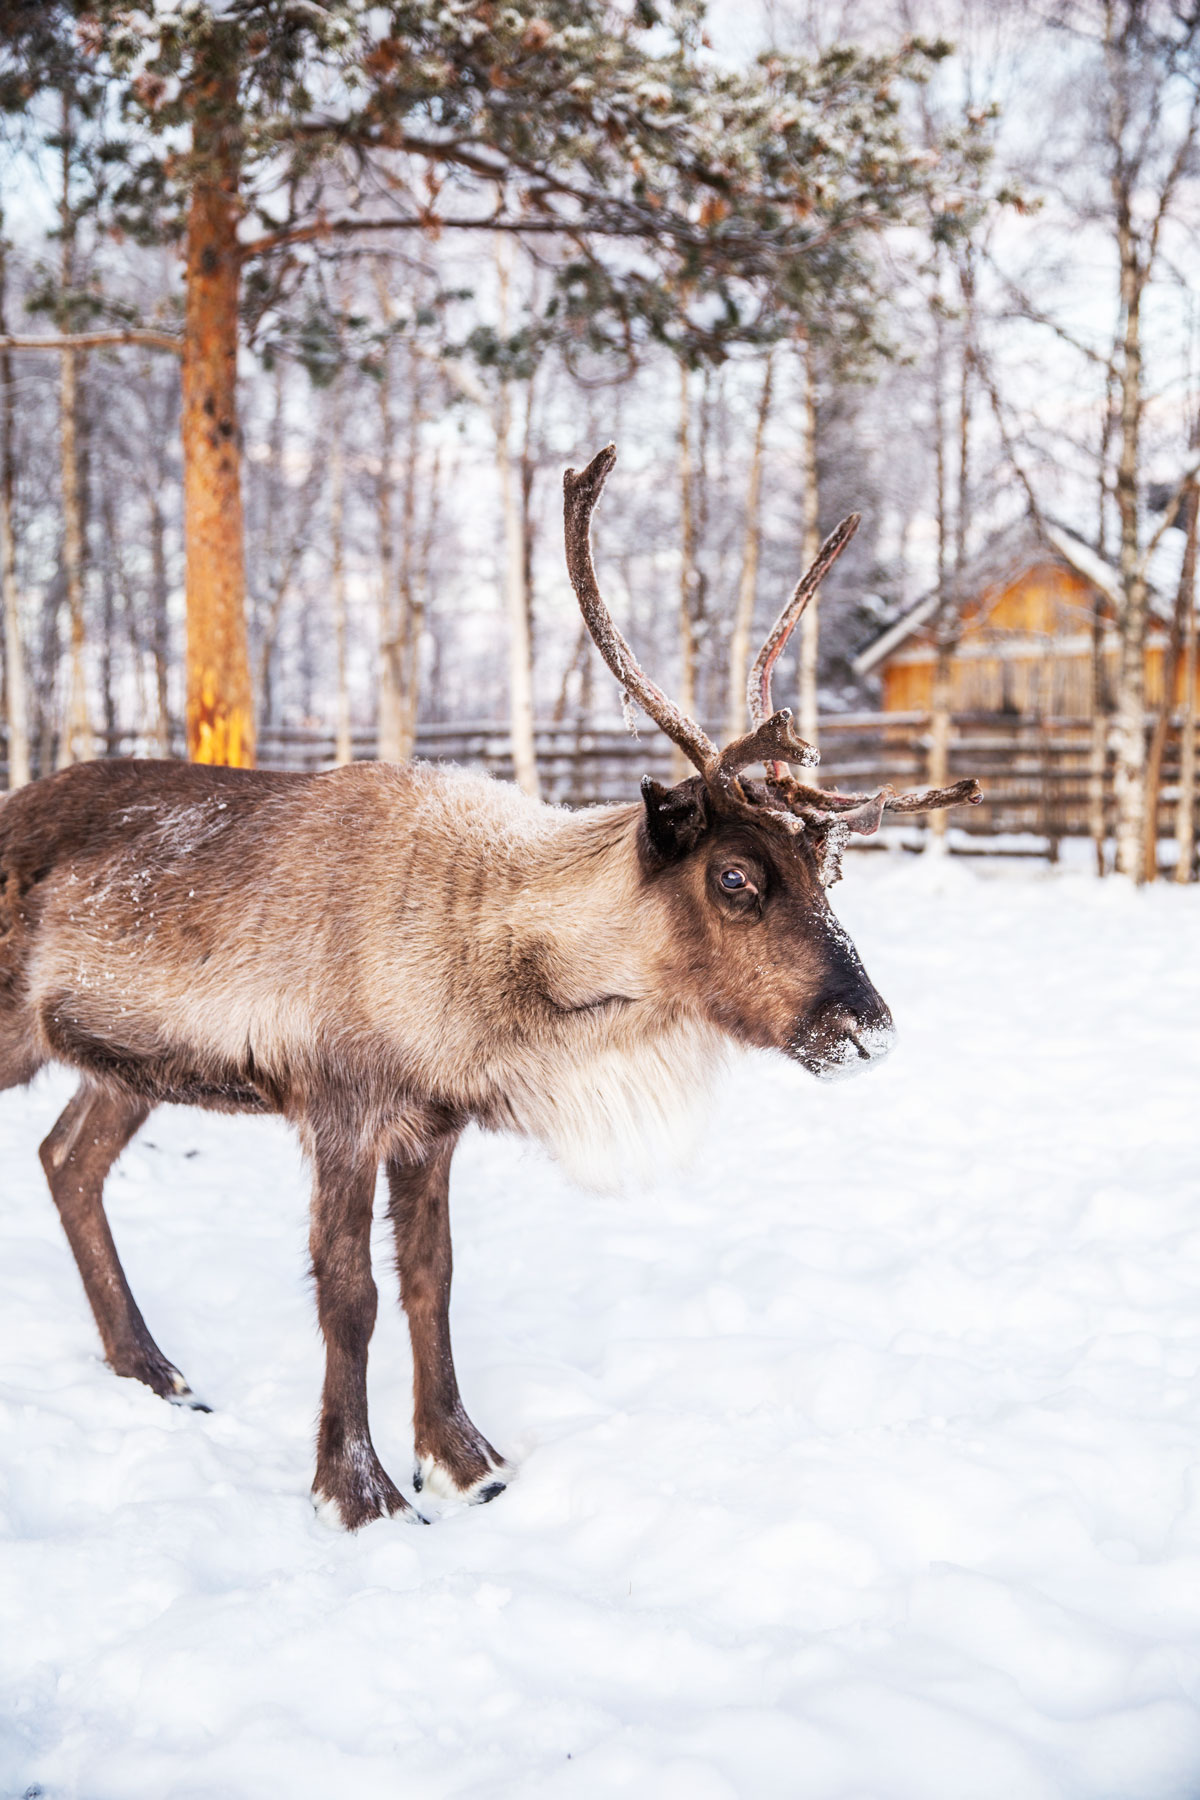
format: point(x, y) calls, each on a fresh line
point(842, 1038)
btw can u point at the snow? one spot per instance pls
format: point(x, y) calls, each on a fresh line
point(862, 1462)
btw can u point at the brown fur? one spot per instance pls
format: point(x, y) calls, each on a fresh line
point(382, 955)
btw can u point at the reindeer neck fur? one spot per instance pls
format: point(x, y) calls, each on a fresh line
point(560, 1017)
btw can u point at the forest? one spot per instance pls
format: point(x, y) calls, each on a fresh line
point(305, 308)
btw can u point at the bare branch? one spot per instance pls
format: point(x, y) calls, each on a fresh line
point(99, 340)
point(983, 370)
point(1173, 176)
point(1169, 511)
point(1024, 308)
point(330, 228)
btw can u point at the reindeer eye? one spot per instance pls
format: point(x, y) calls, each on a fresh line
point(732, 878)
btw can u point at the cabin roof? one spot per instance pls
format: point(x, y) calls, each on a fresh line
point(1010, 553)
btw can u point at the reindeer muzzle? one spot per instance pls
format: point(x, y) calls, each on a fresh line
point(842, 1039)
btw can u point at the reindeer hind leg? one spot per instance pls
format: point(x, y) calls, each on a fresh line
point(77, 1155)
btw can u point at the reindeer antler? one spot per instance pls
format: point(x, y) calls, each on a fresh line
point(758, 683)
point(836, 814)
point(773, 740)
point(581, 490)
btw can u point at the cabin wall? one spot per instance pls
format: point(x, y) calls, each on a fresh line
point(1024, 648)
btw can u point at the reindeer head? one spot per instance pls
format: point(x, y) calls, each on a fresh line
point(744, 863)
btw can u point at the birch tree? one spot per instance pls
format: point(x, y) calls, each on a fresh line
point(1131, 102)
point(743, 618)
point(16, 705)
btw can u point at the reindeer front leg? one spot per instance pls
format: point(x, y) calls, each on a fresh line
point(350, 1484)
point(454, 1460)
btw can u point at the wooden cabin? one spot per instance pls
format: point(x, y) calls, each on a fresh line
point(1026, 606)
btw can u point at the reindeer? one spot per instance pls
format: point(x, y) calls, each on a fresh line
point(384, 954)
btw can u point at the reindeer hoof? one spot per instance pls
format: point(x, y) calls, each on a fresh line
point(354, 1490)
point(191, 1402)
point(332, 1513)
point(148, 1365)
point(443, 1483)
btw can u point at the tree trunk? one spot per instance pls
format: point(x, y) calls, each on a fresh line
point(388, 741)
point(680, 766)
point(1098, 747)
point(1129, 774)
point(944, 625)
point(743, 618)
point(516, 597)
point(418, 594)
point(528, 469)
point(160, 633)
point(76, 743)
point(220, 722)
point(392, 743)
point(962, 518)
point(810, 620)
point(342, 752)
point(16, 711)
point(109, 576)
point(1185, 812)
point(520, 647)
point(409, 623)
point(1172, 657)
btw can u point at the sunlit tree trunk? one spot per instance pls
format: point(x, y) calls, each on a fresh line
point(743, 620)
point(220, 722)
point(810, 622)
point(16, 710)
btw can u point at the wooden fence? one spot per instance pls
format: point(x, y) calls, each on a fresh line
point(1035, 773)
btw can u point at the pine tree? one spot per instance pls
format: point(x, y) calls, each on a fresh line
point(249, 138)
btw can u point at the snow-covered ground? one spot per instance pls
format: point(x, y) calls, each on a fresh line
point(862, 1462)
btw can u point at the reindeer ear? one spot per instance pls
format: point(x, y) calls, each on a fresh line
point(676, 817)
